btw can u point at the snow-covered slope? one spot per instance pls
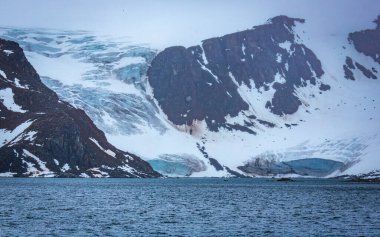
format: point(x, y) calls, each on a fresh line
point(336, 121)
point(107, 78)
point(102, 76)
point(41, 135)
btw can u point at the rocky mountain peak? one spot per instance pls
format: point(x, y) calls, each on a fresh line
point(205, 82)
point(43, 136)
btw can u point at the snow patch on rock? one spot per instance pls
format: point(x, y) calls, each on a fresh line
point(108, 152)
point(6, 97)
point(2, 73)
point(8, 52)
point(41, 170)
point(7, 136)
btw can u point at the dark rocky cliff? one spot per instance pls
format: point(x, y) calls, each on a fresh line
point(202, 82)
point(43, 136)
point(367, 43)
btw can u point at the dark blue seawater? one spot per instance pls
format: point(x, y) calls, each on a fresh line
point(187, 207)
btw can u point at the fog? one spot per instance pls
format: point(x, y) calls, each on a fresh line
point(162, 23)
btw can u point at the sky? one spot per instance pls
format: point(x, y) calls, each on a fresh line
point(163, 23)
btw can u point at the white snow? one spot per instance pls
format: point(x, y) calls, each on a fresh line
point(151, 144)
point(6, 97)
point(287, 46)
point(243, 48)
point(72, 71)
point(42, 171)
point(2, 73)
point(30, 136)
point(128, 169)
point(287, 66)
point(233, 78)
point(334, 125)
point(108, 152)
point(336, 129)
point(40, 163)
point(65, 69)
point(338, 125)
point(8, 52)
point(128, 61)
point(204, 68)
point(107, 119)
point(7, 174)
point(279, 78)
point(56, 161)
point(17, 83)
point(97, 173)
point(84, 175)
point(287, 27)
point(204, 56)
point(7, 136)
point(65, 168)
point(278, 58)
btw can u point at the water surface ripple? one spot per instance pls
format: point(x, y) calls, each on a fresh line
point(187, 207)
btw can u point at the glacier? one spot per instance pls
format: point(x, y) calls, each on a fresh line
point(106, 77)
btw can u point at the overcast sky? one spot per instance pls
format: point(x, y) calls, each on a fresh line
point(163, 23)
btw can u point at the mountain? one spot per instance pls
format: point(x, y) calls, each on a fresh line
point(261, 59)
point(282, 98)
point(268, 78)
point(44, 136)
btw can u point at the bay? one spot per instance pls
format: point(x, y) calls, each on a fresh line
point(187, 207)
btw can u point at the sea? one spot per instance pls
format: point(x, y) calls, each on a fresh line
point(188, 207)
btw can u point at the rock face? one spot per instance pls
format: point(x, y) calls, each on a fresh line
point(367, 43)
point(43, 136)
point(203, 82)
